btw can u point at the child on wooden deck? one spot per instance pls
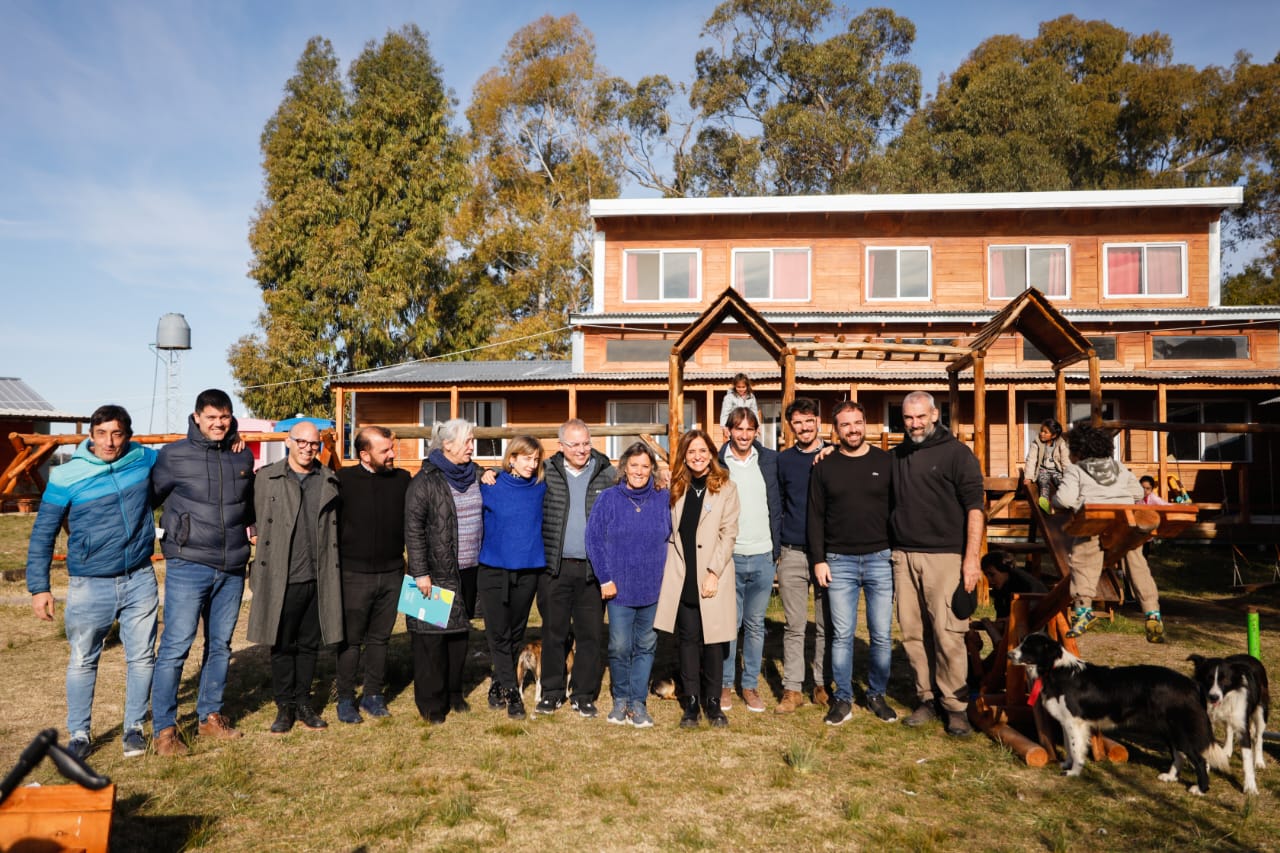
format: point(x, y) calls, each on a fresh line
point(1046, 460)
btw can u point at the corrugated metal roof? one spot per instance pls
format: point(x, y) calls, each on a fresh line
point(20, 400)
point(1251, 313)
point(466, 371)
point(1214, 197)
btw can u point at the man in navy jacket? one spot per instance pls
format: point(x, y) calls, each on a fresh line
point(207, 491)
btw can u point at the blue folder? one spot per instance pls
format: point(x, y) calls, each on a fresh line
point(434, 609)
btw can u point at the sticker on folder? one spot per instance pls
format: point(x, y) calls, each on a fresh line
point(433, 609)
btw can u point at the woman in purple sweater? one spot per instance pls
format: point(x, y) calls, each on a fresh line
point(627, 534)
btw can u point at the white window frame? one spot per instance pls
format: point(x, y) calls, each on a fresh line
point(1177, 401)
point(897, 250)
point(1028, 247)
point(662, 253)
point(618, 443)
point(462, 412)
point(1106, 270)
point(808, 281)
point(1031, 428)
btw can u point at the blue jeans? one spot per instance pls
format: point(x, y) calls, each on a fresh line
point(754, 584)
point(92, 605)
point(632, 641)
point(193, 592)
point(871, 574)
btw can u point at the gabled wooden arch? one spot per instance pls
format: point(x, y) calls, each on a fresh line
point(1034, 317)
point(728, 304)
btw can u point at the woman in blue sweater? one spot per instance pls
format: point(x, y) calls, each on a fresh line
point(627, 534)
point(511, 561)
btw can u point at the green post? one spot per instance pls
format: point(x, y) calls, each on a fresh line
point(1255, 639)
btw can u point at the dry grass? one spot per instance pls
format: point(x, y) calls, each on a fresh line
point(768, 782)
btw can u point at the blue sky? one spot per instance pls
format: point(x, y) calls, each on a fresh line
point(130, 169)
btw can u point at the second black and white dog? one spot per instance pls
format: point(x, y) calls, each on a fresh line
point(1234, 690)
point(1084, 698)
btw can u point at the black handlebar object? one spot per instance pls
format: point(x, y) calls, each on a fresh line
point(72, 768)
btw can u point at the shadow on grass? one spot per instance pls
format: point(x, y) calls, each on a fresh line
point(133, 830)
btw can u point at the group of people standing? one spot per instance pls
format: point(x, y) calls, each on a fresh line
point(693, 553)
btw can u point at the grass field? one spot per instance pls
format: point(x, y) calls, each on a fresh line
point(768, 782)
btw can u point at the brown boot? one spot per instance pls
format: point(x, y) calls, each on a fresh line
point(167, 742)
point(218, 727)
point(820, 696)
point(726, 698)
point(790, 702)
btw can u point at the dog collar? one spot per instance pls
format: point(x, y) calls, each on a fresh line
point(1035, 691)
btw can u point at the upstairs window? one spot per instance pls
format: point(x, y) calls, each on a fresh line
point(661, 275)
point(1012, 269)
point(1199, 347)
point(781, 274)
point(1145, 269)
point(898, 273)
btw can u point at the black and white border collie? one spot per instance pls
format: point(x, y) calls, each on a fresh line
point(1084, 698)
point(1234, 690)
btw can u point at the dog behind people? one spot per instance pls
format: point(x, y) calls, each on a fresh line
point(1235, 692)
point(1154, 700)
point(530, 661)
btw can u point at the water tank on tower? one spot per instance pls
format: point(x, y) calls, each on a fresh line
point(173, 336)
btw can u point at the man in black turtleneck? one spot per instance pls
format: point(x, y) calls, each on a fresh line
point(371, 536)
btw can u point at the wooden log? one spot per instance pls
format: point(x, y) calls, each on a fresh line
point(1034, 754)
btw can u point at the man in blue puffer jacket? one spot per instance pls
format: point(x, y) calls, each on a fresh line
point(103, 494)
point(207, 491)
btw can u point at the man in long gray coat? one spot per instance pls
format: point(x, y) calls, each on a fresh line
point(295, 576)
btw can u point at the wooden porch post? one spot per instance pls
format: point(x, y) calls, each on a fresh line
point(1162, 439)
point(709, 419)
point(788, 364)
point(454, 406)
point(953, 380)
point(1095, 390)
point(980, 412)
point(573, 402)
point(339, 422)
point(1060, 397)
point(1011, 415)
point(675, 400)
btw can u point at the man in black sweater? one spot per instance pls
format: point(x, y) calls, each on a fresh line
point(937, 524)
point(848, 523)
point(371, 536)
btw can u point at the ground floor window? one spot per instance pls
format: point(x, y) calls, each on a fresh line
point(1077, 410)
point(482, 413)
point(643, 412)
point(1209, 446)
point(893, 414)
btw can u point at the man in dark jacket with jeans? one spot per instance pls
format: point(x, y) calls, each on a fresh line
point(569, 600)
point(207, 491)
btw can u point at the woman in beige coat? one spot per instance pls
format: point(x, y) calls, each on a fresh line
point(700, 607)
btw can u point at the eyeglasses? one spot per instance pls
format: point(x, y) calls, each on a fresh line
point(575, 445)
point(313, 445)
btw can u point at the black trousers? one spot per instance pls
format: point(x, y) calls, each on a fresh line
point(701, 664)
point(293, 657)
point(506, 597)
point(437, 670)
point(570, 603)
point(368, 616)
point(468, 578)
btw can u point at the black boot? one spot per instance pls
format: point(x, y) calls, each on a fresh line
point(497, 696)
point(690, 706)
point(715, 716)
point(515, 705)
point(309, 718)
point(286, 716)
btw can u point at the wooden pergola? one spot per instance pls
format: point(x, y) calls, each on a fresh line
point(1034, 317)
point(728, 304)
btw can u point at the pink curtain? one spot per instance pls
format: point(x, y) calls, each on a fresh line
point(1124, 271)
point(740, 272)
point(791, 275)
point(691, 280)
point(1164, 270)
point(1057, 284)
point(633, 276)
point(999, 287)
point(871, 274)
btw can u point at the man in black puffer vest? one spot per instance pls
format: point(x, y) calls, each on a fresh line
point(569, 600)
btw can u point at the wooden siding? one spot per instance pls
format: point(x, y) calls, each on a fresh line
point(958, 243)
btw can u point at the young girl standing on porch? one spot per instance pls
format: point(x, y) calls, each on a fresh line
point(1046, 460)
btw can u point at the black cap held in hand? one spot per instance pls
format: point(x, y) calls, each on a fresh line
point(964, 603)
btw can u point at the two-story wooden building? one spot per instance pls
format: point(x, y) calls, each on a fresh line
point(1138, 272)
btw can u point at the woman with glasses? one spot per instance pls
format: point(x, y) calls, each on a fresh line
point(697, 600)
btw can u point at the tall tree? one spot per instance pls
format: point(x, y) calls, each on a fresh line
point(785, 110)
point(348, 243)
point(540, 151)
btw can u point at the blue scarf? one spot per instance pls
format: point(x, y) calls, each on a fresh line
point(460, 477)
